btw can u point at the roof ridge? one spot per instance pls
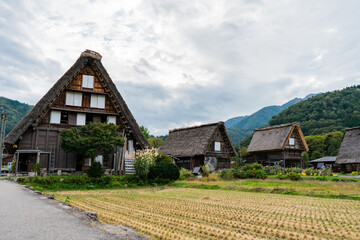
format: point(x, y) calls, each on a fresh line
point(353, 128)
point(197, 126)
point(277, 126)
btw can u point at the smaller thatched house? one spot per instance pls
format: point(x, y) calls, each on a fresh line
point(349, 152)
point(277, 145)
point(328, 162)
point(193, 147)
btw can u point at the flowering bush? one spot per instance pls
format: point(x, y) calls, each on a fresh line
point(144, 160)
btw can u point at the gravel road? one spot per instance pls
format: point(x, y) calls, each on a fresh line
point(25, 214)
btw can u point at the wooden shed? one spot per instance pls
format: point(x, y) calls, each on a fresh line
point(196, 146)
point(85, 93)
point(349, 152)
point(277, 145)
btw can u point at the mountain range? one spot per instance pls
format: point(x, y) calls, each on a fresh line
point(14, 110)
point(242, 126)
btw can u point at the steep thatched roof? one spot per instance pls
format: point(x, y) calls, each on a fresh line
point(349, 151)
point(86, 58)
point(191, 141)
point(326, 159)
point(274, 138)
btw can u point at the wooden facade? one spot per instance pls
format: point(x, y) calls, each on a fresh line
point(85, 93)
point(277, 146)
point(349, 152)
point(198, 146)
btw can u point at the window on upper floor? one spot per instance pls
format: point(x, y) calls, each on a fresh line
point(97, 101)
point(87, 81)
point(99, 159)
point(292, 141)
point(217, 146)
point(55, 117)
point(73, 99)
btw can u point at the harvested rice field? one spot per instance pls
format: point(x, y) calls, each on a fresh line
point(178, 213)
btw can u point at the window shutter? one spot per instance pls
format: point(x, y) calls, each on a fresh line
point(93, 101)
point(111, 119)
point(69, 98)
point(55, 117)
point(80, 119)
point(88, 81)
point(217, 146)
point(77, 99)
point(101, 101)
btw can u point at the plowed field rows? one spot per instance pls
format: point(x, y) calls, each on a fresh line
point(217, 214)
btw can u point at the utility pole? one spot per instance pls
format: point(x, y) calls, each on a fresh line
point(2, 136)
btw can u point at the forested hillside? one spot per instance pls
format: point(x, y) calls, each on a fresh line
point(240, 127)
point(14, 111)
point(324, 113)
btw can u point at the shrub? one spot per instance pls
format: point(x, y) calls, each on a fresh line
point(95, 170)
point(321, 178)
point(293, 176)
point(36, 168)
point(335, 179)
point(212, 177)
point(185, 174)
point(227, 174)
point(256, 166)
point(163, 170)
point(240, 174)
point(144, 160)
point(205, 171)
point(256, 173)
point(281, 176)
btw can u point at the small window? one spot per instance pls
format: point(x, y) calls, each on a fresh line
point(80, 119)
point(217, 146)
point(88, 81)
point(64, 118)
point(55, 117)
point(97, 101)
point(73, 99)
point(292, 141)
point(111, 119)
point(99, 159)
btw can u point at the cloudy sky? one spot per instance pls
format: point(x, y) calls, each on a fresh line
point(180, 63)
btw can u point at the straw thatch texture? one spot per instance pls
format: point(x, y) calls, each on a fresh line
point(193, 141)
point(43, 105)
point(349, 152)
point(271, 138)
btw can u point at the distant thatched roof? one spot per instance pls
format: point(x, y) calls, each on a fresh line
point(274, 138)
point(193, 141)
point(324, 159)
point(86, 58)
point(349, 151)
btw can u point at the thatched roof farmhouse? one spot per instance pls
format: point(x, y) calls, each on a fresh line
point(349, 152)
point(85, 93)
point(277, 145)
point(200, 145)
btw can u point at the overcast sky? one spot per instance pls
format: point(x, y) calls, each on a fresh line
point(180, 63)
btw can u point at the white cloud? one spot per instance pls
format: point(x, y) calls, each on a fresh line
point(180, 62)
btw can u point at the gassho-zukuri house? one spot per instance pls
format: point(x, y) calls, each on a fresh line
point(192, 147)
point(280, 145)
point(349, 152)
point(85, 93)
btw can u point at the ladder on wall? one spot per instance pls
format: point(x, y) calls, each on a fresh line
point(52, 160)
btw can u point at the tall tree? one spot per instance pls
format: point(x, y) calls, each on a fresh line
point(92, 139)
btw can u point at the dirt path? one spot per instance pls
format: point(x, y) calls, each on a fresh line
point(25, 214)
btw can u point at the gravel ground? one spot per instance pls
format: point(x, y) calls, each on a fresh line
point(26, 214)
